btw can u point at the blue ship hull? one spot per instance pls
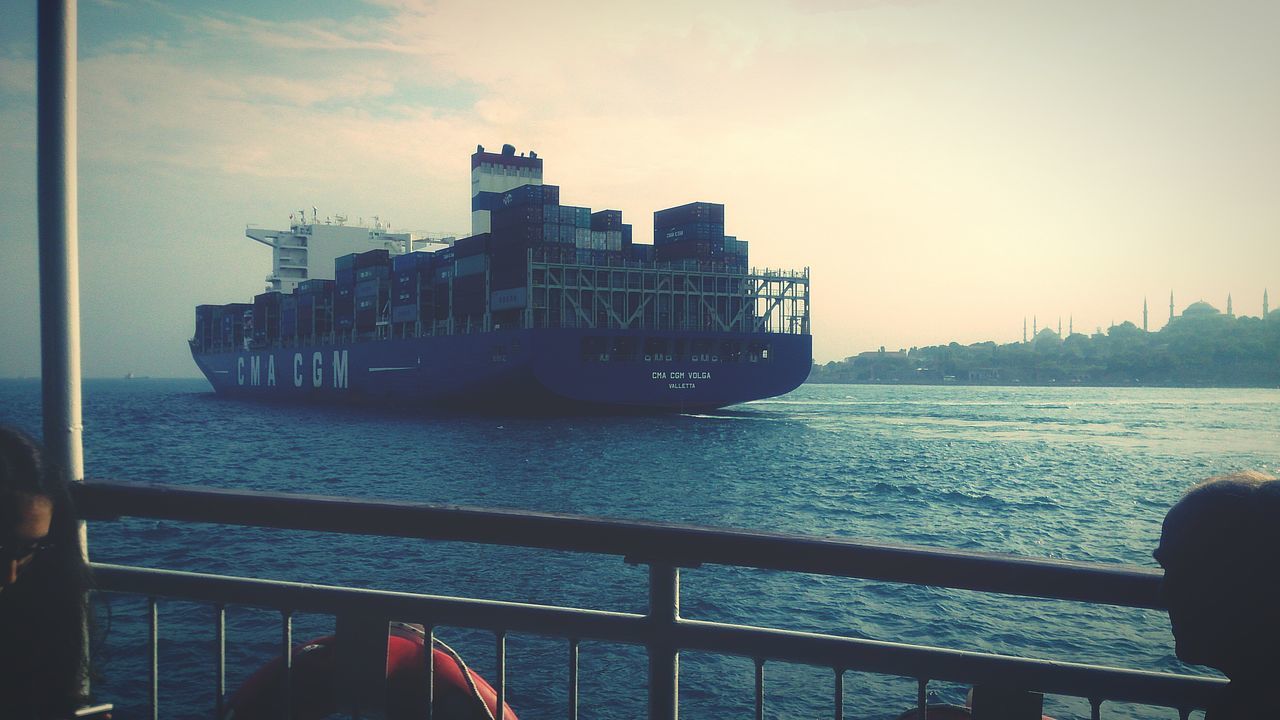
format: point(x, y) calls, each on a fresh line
point(543, 370)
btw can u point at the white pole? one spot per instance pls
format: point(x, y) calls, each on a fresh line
point(59, 256)
point(59, 241)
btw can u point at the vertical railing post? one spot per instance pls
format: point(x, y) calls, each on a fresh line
point(839, 694)
point(429, 646)
point(220, 650)
point(500, 674)
point(573, 679)
point(153, 632)
point(759, 688)
point(664, 657)
point(286, 678)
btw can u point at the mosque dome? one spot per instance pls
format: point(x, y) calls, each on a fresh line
point(1046, 335)
point(1200, 309)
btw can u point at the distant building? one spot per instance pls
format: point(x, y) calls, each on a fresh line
point(1046, 335)
point(1202, 309)
point(1198, 313)
point(984, 375)
point(881, 354)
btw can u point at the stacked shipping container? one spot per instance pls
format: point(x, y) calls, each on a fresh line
point(344, 293)
point(223, 327)
point(523, 195)
point(266, 318)
point(412, 299)
point(315, 309)
point(531, 217)
point(482, 278)
point(695, 231)
point(372, 289)
point(470, 260)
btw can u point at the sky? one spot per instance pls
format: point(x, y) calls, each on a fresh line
point(945, 169)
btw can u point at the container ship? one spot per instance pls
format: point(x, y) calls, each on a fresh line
point(543, 308)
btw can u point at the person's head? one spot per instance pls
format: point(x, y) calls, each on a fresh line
point(43, 580)
point(29, 494)
point(1220, 550)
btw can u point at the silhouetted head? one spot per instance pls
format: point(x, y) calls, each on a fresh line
point(43, 579)
point(27, 497)
point(1220, 550)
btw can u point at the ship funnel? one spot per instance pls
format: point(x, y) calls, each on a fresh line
point(508, 149)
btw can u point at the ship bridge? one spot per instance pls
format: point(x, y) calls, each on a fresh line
point(306, 251)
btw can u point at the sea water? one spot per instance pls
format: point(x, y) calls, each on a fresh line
point(1074, 473)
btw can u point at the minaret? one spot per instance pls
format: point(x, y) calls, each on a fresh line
point(1144, 315)
point(1265, 308)
point(1059, 326)
point(1170, 306)
point(1024, 325)
point(1035, 326)
point(1071, 324)
point(1229, 312)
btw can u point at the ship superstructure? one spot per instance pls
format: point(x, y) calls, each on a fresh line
point(495, 174)
point(546, 306)
point(307, 251)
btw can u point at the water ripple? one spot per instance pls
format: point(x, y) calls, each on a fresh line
point(1073, 473)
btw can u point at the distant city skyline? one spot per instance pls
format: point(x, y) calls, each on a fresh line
point(944, 169)
point(1144, 323)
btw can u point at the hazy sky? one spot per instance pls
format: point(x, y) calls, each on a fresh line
point(945, 168)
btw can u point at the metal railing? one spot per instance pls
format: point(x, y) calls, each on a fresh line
point(664, 548)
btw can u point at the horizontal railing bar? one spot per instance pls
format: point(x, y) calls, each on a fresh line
point(949, 665)
point(333, 600)
point(680, 545)
point(1060, 678)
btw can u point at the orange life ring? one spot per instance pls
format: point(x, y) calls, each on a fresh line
point(312, 698)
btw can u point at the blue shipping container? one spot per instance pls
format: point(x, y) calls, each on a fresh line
point(412, 261)
point(404, 313)
point(606, 220)
point(372, 258)
point(374, 272)
point(693, 212)
point(689, 231)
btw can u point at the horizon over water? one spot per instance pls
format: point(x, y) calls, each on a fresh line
point(1074, 473)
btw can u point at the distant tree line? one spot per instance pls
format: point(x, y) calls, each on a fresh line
point(1204, 348)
